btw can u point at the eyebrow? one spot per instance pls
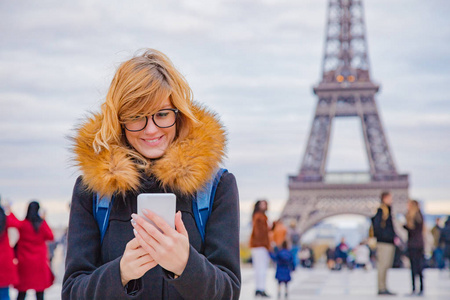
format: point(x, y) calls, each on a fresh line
point(167, 106)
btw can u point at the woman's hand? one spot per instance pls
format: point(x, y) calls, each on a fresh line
point(135, 262)
point(169, 248)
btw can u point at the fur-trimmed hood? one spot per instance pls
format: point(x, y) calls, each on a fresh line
point(185, 167)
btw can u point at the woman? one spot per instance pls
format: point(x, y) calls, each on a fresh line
point(260, 246)
point(8, 270)
point(151, 138)
point(32, 254)
point(414, 226)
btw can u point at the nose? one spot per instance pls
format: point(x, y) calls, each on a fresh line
point(151, 126)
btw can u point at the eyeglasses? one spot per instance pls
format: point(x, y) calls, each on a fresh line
point(164, 118)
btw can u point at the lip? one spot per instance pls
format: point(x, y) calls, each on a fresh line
point(152, 141)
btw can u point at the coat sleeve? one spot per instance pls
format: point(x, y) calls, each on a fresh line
point(217, 272)
point(85, 276)
point(47, 232)
point(12, 221)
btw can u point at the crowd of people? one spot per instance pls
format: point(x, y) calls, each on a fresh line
point(26, 265)
point(343, 256)
point(270, 242)
point(281, 245)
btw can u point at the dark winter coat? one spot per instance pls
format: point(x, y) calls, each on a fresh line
point(383, 232)
point(212, 270)
point(415, 235)
point(445, 238)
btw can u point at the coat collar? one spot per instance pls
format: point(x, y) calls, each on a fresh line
point(185, 167)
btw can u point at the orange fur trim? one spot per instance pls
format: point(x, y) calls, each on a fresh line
point(186, 166)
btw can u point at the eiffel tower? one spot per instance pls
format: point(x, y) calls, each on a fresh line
point(346, 90)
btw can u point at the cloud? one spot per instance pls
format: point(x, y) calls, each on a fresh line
point(254, 62)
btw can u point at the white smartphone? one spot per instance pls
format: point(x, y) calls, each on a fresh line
point(164, 205)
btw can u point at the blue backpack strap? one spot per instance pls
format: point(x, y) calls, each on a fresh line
point(101, 211)
point(202, 204)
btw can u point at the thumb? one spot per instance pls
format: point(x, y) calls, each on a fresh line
point(179, 225)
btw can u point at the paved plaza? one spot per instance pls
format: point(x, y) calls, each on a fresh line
point(321, 284)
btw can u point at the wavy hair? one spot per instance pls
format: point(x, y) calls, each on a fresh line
point(257, 207)
point(414, 215)
point(139, 88)
point(2, 221)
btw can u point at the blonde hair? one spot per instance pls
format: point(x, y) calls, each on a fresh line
point(139, 88)
point(413, 214)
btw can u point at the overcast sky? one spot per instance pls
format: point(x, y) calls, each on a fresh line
point(253, 62)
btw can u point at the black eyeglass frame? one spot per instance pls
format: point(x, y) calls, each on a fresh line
point(153, 119)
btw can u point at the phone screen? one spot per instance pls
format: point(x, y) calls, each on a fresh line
point(164, 205)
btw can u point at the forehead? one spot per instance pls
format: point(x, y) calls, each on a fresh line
point(166, 103)
point(145, 106)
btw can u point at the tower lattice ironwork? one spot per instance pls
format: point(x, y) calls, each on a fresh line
point(346, 90)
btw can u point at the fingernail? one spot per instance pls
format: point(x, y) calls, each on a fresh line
point(135, 232)
point(134, 216)
point(145, 211)
point(133, 222)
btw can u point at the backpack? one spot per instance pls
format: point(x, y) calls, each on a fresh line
point(201, 206)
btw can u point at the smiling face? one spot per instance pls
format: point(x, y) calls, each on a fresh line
point(152, 142)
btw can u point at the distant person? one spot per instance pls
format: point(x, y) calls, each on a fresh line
point(305, 256)
point(260, 246)
point(438, 255)
point(285, 265)
point(278, 234)
point(445, 240)
point(383, 229)
point(294, 238)
point(32, 253)
point(8, 269)
point(312, 257)
point(414, 226)
point(351, 259)
point(330, 258)
point(152, 137)
point(341, 253)
point(362, 255)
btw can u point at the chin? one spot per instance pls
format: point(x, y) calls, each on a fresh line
point(154, 155)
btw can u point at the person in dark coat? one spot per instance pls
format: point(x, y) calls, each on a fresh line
point(285, 265)
point(150, 137)
point(444, 240)
point(438, 256)
point(341, 253)
point(8, 270)
point(384, 232)
point(414, 226)
point(330, 258)
point(32, 253)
